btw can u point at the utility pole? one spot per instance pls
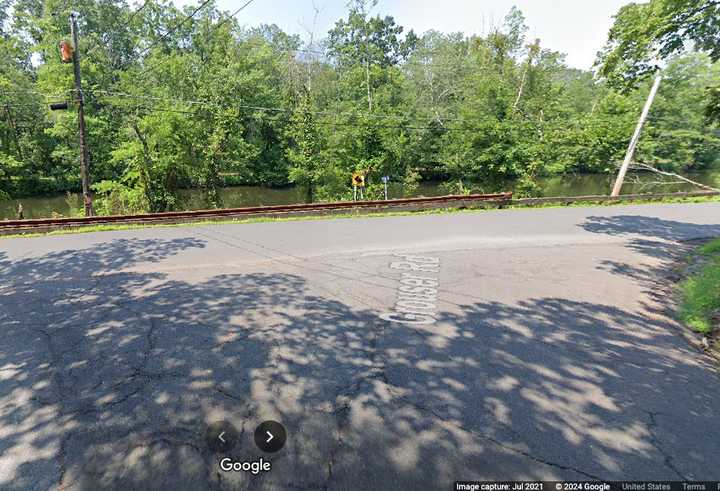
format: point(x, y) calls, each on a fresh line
point(635, 138)
point(80, 100)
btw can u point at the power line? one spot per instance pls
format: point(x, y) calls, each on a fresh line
point(205, 102)
point(335, 122)
point(288, 112)
point(16, 106)
point(175, 28)
point(137, 11)
point(215, 28)
point(35, 92)
point(209, 103)
point(128, 21)
point(327, 123)
point(226, 20)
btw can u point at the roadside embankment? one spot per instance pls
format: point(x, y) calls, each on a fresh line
point(700, 295)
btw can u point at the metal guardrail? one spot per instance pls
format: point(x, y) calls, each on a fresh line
point(410, 204)
point(602, 198)
point(19, 226)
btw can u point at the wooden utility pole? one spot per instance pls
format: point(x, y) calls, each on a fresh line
point(635, 138)
point(80, 100)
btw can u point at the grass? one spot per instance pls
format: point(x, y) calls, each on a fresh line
point(357, 214)
point(700, 305)
point(711, 248)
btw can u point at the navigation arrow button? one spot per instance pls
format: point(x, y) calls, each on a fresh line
point(221, 436)
point(270, 436)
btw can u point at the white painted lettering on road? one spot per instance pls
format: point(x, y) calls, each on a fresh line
point(417, 294)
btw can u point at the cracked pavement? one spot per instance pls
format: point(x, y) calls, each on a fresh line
point(554, 356)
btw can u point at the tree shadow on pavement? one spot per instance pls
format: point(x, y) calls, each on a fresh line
point(649, 227)
point(577, 385)
point(651, 236)
point(110, 370)
point(588, 389)
point(663, 244)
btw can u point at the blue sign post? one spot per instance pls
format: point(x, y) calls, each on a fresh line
point(385, 180)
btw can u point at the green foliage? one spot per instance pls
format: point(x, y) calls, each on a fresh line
point(209, 103)
point(711, 248)
point(456, 187)
point(304, 152)
point(114, 198)
point(700, 305)
point(646, 33)
point(361, 39)
point(712, 110)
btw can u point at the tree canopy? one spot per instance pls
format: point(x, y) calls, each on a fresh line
point(187, 97)
point(647, 34)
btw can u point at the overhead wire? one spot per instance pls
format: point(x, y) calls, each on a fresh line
point(232, 15)
point(209, 103)
point(215, 28)
point(418, 123)
point(261, 108)
point(137, 11)
point(175, 27)
point(289, 112)
point(128, 21)
point(35, 92)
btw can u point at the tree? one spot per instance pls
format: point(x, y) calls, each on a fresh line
point(678, 135)
point(177, 101)
point(644, 34)
point(304, 151)
point(362, 39)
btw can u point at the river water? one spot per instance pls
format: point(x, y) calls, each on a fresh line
point(239, 196)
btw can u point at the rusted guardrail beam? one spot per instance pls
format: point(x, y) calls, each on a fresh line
point(603, 198)
point(460, 201)
point(180, 216)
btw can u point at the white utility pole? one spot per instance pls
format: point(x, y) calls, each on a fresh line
point(635, 138)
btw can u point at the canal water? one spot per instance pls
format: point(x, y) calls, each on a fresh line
point(239, 196)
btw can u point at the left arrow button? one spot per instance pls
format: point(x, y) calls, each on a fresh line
point(221, 436)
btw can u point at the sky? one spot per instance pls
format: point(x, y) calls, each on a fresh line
point(575, 27)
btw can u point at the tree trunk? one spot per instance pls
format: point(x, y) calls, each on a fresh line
point(367, 82)
point(145, 169)
point(16, 133)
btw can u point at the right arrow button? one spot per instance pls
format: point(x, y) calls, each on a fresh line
point(270, 436)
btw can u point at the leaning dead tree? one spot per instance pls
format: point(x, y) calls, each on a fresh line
point(650, 168)
point(533, 52)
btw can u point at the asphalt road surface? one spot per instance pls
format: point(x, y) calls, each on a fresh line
point(542, 346)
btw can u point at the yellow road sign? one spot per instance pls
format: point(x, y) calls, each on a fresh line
point(358, 180)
